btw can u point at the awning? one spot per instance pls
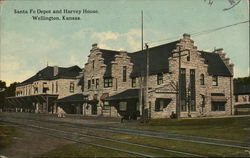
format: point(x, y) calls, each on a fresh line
point(127, 94)
point(242, 106)
point(75, 98)
point(218, 99)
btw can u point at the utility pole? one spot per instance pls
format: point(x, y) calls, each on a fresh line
point(147, 76)
point(178, 105)
point(141, 80)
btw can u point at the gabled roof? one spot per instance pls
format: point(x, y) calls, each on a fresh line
point(127, 94)
point(216, 66)
point(241, 89)
point(48, 74)
point(158, 59)
point(108, 56)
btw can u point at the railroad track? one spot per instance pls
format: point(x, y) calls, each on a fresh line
point(24, 127)
point(151, 134)
point(44, 130)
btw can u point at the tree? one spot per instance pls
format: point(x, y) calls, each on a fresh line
point(2, 93)
point(6, 91)
point(10, 91)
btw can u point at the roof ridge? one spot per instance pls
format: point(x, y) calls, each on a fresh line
point(173, 42)
point(110, 50)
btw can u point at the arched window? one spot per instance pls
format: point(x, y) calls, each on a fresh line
point(202, 79)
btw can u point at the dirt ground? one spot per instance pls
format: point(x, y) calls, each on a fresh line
point(32, 145)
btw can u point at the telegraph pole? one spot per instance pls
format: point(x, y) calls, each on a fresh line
point(147, 76)
point(178, 105)
point(141, 80)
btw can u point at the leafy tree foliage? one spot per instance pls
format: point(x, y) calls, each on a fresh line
point(10, 91)
point(2, 92)
point(6, 91)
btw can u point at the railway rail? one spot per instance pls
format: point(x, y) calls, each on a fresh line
point(150, 134)
point(42, 129)
point(77, 141)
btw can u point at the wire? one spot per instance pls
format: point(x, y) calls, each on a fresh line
point(202, 32)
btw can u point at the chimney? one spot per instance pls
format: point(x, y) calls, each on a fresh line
point(122, 51)
point(56, 70)
point(94, 46)
point(186, 36)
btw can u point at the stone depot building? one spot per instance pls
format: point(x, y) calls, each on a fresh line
point(181, 79)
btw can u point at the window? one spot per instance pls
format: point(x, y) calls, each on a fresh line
point(203, 101)
point(161, 103)
point(93, 83)
point(183, 90)
point(192, 90)
point(82, 86)
point(89, 84)
point(133, 82)
point(71, 87)
point(56, 86)
point(215, 80)
point(188, 56)
point(236, 98)
point(52, 87)
point(93, 64)
point(35, 90)
point(45, 87)
point(183, 105)
point(107, 82)
point(106, 105)
point(123, 106)
point(202, 77)
point(159, 79)
point(218, 106)
point(124, 74)
point(97, 83)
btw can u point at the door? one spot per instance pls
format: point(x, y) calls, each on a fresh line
point(94, 109)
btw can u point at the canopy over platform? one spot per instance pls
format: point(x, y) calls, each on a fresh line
point(19, 100)
point(75, 98)
point(127, 94)
point(38, 103)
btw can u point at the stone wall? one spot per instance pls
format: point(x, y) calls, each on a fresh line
point(185, 46)
point(242, 99)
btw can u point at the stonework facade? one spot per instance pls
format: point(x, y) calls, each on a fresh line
point(212, 86)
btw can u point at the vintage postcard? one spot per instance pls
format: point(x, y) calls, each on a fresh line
point(123, 78)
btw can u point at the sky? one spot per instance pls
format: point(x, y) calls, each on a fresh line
point(27, 45)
